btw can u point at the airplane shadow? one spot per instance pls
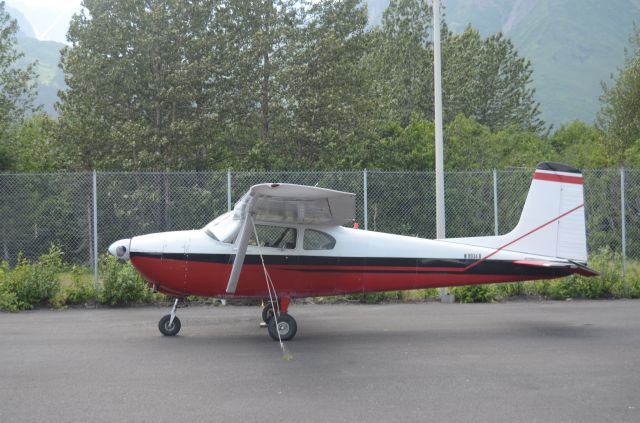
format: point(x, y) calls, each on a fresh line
point(312, 336)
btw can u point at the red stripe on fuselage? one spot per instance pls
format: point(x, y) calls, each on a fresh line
point(554, 177)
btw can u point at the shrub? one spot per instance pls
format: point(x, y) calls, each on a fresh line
point(609, 264)
point(474, 293)
point(632, 282)
point(30, 284)
point(121, 283)
point(82, 287)
point(418, 295)
point(8, 299)
point(368, 298)
point(610, 283)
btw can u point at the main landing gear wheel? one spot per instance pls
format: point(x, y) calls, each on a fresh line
point(167, 327)
point(286, 327)
point(267, 313)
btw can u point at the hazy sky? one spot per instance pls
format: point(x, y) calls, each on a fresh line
point(50, 18)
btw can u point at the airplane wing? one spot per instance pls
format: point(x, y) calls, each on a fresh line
point(287, 203)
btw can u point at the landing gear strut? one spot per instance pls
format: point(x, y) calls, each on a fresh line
point(267, 313)
point(283, 326)
point(169, 325)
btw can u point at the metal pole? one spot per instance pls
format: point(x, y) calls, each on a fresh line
point(623, 225)
point(437, 83)
point(366, 193)
point(95, 229)
point(495, 201)
point(437, 78)
point(228, 189)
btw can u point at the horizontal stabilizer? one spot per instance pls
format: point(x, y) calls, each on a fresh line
point(574, 267)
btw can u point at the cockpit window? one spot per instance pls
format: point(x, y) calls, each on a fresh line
point(275, 237)
point(224, 228)
point(317, 240)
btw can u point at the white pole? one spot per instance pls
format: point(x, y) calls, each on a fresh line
point(623, 224)
point(437, 79)
point(495, 201)
point(437, 84)
point(366, 194)
point(229, 189)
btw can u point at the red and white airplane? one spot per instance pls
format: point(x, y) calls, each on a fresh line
point(285, 241)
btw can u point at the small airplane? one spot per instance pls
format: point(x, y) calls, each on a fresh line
point(284, 241)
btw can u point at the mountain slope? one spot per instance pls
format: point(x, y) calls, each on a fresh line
point(50, 76)
point(25, 28)
point(47, 56)
point(574, 44)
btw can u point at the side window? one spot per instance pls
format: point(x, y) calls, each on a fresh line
point(316, 240)
point(275, 237)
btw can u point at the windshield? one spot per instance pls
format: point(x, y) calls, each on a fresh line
point(224, 228)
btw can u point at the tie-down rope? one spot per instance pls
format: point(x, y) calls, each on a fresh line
point(271, 289)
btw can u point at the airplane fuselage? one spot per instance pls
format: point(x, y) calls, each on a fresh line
point(194, 263)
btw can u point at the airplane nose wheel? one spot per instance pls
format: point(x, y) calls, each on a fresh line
point(169, 325)
point(286, 327)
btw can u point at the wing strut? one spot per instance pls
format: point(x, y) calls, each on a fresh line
point(243, 242)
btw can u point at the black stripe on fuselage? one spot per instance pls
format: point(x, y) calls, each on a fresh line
point(412, 265)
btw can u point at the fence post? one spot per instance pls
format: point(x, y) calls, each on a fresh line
point(228, 189)
point(366, 193)
point(623, 226)
point(95, 228)
point(495, 201)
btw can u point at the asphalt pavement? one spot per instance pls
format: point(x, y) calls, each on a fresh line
point(513, 362)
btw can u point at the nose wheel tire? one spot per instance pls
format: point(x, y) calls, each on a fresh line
point(169, 329)
point(286, 327)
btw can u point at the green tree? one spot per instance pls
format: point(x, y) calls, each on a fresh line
point(269, 35)
point(168, 84)
point(395, 147)
point(139, 75)
point(330, 90)
point(17, 86)
point(304, 73)
point(488, 80)
point(582, 145)
point(471, 145)
point(619, 116)
point(6, 162)
point(404, 59)
point(34, 146)
point(482, 78)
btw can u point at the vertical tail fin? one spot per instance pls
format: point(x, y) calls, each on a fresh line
point(552, 222)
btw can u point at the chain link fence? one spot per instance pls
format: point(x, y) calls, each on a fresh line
point(37, 210)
